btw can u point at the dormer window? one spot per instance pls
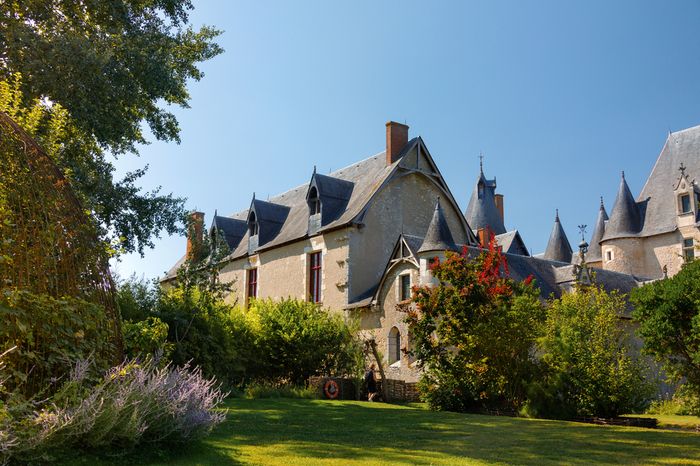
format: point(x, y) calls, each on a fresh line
point(314, 202)
point(253, 226)
point(480, 190)
point(685, 203)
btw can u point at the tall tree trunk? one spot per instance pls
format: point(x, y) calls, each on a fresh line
point(375, 352)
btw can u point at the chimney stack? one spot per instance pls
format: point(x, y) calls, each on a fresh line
point(484, 237)
point(195, 231)
point(499, 205)
point(396, 139)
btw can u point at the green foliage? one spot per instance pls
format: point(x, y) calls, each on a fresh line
point(295, 340)
point(668, 313)
point(50, 333)
point(588, 362)
point(136, 298)
point(128, 217)
point(260, 390)
point(109, 64)
point(684, 402)
point(146, 337)
point(473, 333)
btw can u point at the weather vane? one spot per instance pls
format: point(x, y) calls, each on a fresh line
point(582, 230)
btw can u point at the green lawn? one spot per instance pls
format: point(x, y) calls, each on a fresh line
point(306, 432)
point(670, 421)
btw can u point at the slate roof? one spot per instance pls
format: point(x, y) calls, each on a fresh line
point(625, 217)
point(334, 194)
point(594, 251)
point(438, 237)
point(482, 211)
point(657, 193)
point(233, 229)
point(511, 242)
point(558, 247)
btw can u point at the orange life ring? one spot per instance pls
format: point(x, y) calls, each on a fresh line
point(331, 389)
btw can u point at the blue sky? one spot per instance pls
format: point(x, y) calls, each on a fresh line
point(558, 96)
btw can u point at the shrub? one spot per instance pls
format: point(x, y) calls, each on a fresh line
point(473, 333)
point(135, 403)
point(295, 340)
point(146, 337)
point(587, 359)
point(257, 390)
point(684, 403)
point(49, 334)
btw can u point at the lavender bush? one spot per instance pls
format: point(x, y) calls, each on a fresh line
point(136, 402)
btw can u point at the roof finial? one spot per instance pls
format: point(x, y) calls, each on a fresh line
point(556, 216)
point(623, 174)
point(682, 169)
point(602, 206)
point(481, 163)
point(314, 169)
point(253, 195)
point(437, 204)
point(582, 230)
point(216, 212)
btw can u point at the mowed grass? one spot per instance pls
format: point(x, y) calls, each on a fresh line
point(310, 432)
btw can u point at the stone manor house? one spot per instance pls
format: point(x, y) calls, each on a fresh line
point(357, 240)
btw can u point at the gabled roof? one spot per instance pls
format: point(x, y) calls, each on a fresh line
point(366, 176)
point(594, 251)
point(232, 229)
point(334, 194)
point(512, 243)
point(625, 217)
point(558, 247)
point(482, 211)
point(657, 193)
point(438, 237)
point(270, 218)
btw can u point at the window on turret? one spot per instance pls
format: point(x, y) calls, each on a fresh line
point(480, 190)
point(688, 250)
point(253, 227)
point(314, 202)
point(685, 203)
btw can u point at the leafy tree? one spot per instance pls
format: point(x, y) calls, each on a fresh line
point(84, 76)
point(129, 218)
point(668, 313)
point(473, 333)
point(588, 363)
point(109, 64)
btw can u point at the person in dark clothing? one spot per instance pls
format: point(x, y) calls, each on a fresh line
point(371, 383)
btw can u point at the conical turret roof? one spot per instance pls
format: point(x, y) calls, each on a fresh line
point(482, 211)
point(558, 247)
point(594, 250)
point(438, 237)
point(625, 219)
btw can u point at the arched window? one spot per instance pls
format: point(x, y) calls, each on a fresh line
point(314, 202)
point(394, 345)
point(252, 225)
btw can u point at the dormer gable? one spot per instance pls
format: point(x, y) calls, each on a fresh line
point(233, 230)
point(327, 198)
point(265, 220)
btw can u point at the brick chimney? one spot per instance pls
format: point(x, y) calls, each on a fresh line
point(396, 139)
point(482, 234)
point(499, 205)
point(195, 230)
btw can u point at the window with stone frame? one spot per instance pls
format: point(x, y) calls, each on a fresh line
point(394, 343)
point(608, 255)
point(315, 277)
point(684, 203)
point(252, 281)
point(688, 249)
point(405, 287)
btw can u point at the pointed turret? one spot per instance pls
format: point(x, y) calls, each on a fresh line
point(625, 219)
point(438, 236)
point(482, 212)
point(594, 251)
point(558, 247)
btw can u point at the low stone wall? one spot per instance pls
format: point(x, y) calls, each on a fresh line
point(398, 390)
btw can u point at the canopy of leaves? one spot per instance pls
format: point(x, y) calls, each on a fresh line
point(126, 217)
point(108, 63)
point(668, 313)
point(589, 364)
point(473, 333)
